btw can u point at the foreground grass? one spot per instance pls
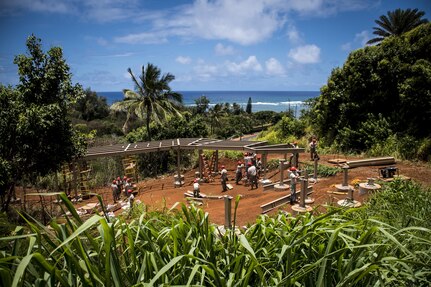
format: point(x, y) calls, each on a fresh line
point(339, 248)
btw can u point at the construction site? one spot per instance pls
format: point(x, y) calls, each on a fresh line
point(350, 187)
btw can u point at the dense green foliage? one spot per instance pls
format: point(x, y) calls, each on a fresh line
point(340, 248)
point(36, 134)
point(380, 91)
point(91, 107)
point(248, 108)
point(288, 129)
point(397, 23)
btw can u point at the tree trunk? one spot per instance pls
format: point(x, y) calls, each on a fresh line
point(6, 198)
point(148, 124)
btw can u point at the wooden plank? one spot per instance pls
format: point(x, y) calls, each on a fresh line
point(337, 161)
point(279, 202)
point(371, 161)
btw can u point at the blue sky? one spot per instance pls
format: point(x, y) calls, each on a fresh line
point(279, 45)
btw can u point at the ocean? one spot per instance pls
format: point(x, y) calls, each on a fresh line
point(277, 101)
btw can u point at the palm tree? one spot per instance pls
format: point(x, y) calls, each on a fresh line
point(396, 23)
point(152, 98)
point(215, 114)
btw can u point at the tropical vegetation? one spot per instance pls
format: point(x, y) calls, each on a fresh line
point(378, 102)
point(152, 98)
point(36, 134)
point(339, 248)
point(396, 23)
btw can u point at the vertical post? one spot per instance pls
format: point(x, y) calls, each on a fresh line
point(345, 175)
point(227, 211)
point(200, 163)
point(75, 177)
point(281, 171)
point(216, 161)
point(294, 161)
point(303, 192)
point(315, 168)
point(264, 161)
point(179, 165)
point(350, 194)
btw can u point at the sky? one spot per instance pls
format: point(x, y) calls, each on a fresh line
point(218, 45)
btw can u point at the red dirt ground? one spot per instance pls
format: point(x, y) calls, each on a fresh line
point(159, 193)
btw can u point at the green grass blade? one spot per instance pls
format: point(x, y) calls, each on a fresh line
point(166, 268)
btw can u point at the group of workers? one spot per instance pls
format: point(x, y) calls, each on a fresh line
point(124, 186)
point(249, 171)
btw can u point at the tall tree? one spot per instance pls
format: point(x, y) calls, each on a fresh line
point(152, 98)
point(380, 91)
point(202, 104)
point(396, 23)
point(37, 136)
point(91, 106)
point(249, 106)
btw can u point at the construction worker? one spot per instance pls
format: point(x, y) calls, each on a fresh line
point(259, 167)
point(293, 178)
point(295, 156)
point(128, 187)
point(223, 174)
point(313, 149)
point(115, 192)
point(252, 175)
point(238, 172)
point(196, 188)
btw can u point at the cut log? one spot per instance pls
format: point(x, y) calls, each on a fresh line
point(371, 161)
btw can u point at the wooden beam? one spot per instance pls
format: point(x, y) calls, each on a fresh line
point(278, 202)
point(371, 161)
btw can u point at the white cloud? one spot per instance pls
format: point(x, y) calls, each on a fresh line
point(249, 65)
point(183, 60)
point(206, 71)
point(223, 50)
point(142, 38)
point(362, 38)
point(273, 67)
point(293, 34)
point(346, 46)
point(307, 54)
point(236, 21)
point(325, 7)
point(51, 6)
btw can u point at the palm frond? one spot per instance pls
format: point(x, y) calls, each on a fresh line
point(397, 23)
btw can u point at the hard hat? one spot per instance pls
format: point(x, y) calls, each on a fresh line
point(293, 168)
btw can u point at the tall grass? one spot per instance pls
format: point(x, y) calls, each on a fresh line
point(182, 247)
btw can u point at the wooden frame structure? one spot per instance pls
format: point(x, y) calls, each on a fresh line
point(258, 147)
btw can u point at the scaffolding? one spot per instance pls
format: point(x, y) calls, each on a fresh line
point(130, 167)
point(207, 165)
